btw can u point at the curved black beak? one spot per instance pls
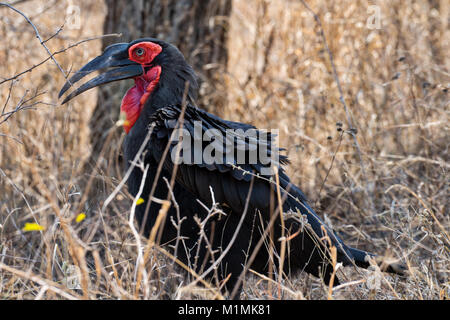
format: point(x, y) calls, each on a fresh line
point(114, 56)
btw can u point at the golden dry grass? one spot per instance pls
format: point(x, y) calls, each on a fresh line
point(389, 196)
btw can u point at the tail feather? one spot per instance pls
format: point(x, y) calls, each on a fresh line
point(346, 255)
point(361, 257)
point(362, 260)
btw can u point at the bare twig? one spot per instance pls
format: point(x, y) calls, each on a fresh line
point(58, 52)
point(233, 238)
point(37, 35)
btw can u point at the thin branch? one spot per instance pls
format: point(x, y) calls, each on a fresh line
point(55, 34)
point(58, 52)
point(233, 238)
point(37, 35)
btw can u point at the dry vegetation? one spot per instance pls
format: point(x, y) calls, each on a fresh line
point(388, 193)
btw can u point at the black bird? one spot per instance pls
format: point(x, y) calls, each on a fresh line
point(244, 189)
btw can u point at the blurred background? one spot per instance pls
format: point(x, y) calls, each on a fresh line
point(378, 172)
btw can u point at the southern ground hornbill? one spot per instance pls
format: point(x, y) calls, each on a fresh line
point(249, 193)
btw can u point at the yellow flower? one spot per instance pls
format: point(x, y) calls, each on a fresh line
point(139, 201)
point(32, 227)
point(80, 217)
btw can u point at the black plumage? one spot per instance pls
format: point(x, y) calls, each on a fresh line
point(246, 195)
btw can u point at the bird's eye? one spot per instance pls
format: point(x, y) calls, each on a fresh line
point(139, 52)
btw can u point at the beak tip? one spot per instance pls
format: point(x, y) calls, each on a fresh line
point(67, 98)
point(61, 93)
point(63, 90)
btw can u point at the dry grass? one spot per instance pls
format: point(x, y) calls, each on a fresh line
point(389, 196)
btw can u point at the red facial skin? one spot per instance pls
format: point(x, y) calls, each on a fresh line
point(135, 98)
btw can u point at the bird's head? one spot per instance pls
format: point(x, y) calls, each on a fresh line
point(158, 68)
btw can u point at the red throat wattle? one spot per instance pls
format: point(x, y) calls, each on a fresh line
point(135, 98)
